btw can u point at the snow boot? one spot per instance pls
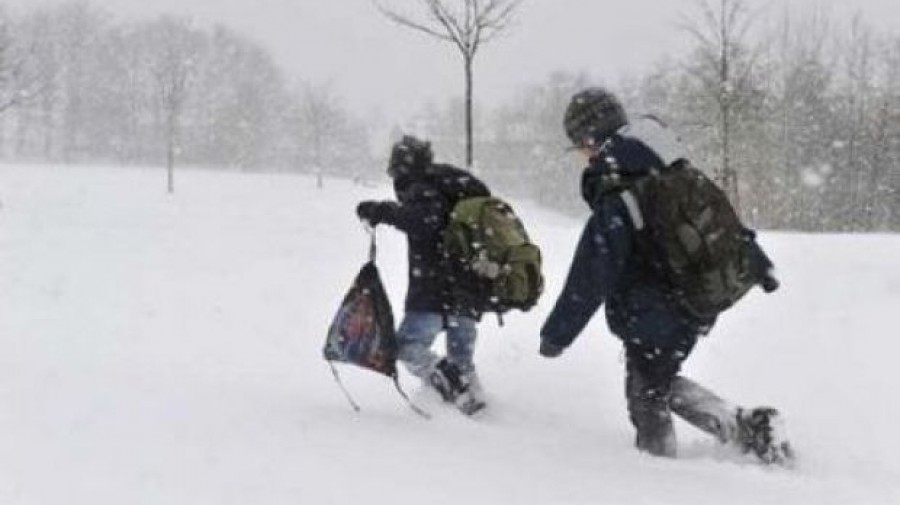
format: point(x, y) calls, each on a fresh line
point(453, 387)
point(473, 399)
point(704, 409)
point(758, 430)
point(469, 404)
point(761, 431)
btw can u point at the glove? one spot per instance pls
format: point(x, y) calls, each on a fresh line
point(371, 212)
point(550, 350)
point(769, 283)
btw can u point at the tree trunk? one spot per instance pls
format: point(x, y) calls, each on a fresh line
point(170, 154)
point(469, 137)
point(729, 174)
point(170, 168)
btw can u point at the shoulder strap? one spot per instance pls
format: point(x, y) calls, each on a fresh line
point(634, 210)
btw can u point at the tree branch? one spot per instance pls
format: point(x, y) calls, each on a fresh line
point(467, 27)
point(409, 23)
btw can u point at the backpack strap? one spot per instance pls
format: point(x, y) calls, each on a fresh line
point(395, 377)
point(634, 210)
point(337, 378)
point(415, 408)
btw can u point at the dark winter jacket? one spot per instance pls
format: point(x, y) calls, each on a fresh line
point(425, 200)
point(606, 267)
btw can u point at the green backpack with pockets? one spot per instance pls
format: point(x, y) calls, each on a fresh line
point(494, 265)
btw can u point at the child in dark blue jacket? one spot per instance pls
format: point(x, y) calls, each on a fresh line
point(658, 333)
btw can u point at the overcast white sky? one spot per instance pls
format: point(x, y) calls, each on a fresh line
point(381, 69)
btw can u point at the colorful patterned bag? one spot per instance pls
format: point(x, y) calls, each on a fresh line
point(362, 332)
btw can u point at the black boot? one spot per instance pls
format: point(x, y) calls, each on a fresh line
point(760, 431)
point(454, 388)
point(447, 380)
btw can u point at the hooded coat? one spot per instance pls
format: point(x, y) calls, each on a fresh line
point(606, 267)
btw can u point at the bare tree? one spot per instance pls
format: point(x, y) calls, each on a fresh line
point(857, 110)
point(327, 139)
point(9, 96)
point(885, 177)
point(321, 117)
point(19, 80)
point(467, 24)
point(178, 49)
point(239, 98)
point(721, 31)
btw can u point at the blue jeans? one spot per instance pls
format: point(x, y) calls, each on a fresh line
point(416, 336)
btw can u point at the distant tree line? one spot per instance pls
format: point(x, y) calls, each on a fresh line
point(796, 115)
point(799, 118)
point(77, 87)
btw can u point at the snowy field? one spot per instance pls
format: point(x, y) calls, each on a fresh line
point(163, 349)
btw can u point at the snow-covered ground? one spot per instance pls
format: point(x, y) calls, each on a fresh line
point(163, 349)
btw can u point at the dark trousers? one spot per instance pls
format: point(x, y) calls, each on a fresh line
point(654, 390)
point(649, 372)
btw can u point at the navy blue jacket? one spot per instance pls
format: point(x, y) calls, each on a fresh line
point(605, 267)
point(425, 199)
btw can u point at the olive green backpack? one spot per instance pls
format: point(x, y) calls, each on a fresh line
point(494, 265)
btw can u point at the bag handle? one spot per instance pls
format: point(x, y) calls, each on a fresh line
point(373, 249)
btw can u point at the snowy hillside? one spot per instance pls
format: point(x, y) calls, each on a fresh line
point(167, 350)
